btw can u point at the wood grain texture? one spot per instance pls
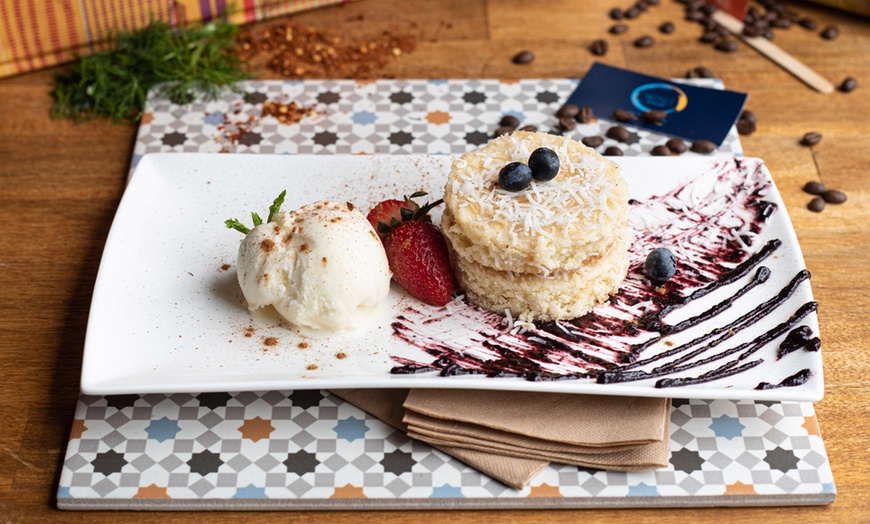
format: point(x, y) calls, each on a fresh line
point(60, 185)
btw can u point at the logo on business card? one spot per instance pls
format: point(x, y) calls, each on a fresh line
point(659, 96)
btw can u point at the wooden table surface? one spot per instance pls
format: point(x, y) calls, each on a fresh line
point(60, 185)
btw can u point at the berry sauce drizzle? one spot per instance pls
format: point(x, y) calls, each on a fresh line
point(712, 224)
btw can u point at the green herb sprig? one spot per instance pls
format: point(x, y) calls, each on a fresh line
point(273, 210)
point(187, 61)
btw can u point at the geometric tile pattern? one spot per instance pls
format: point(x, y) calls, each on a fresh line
point(311, 450)
point(379, 117)
point(330, 454)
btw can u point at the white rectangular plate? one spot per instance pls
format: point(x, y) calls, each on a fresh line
point(168, 316)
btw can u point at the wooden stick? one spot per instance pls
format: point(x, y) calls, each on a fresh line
point(775, 53)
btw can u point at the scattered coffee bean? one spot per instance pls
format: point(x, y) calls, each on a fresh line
point(722, 31)
point(817, 205)
point(652, 2)
point(660, 150)
point(700, 72)
point(708, 9)
point(654, 116)
point(810, 139)
point(695, 16)
point(849, 85)
point(768, 34)
point(814, 188)
point(612, 151)
point(831, 32)
point(631, 13)
point(667, 28)
point(585, 115)
point(644, 41)
point(599, 47)
point(529, 129)
point(524, 57)
point(567, 123)
point(709, 37)
point(503, 130)
point(749, 116)
point(782, 23)
point(568, 110)
point(676, 146)
point(808, 23)
point(616, 13)
point(618, 133)
point(641, 6)
point(592, 141)
point(703, 146)
point(618, 29)
point(745, 127)
point(751, 31)
point(726, 46)
point(832, 196)
point(509, 121)
point(622, 115)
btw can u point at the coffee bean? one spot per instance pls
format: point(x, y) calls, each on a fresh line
point(768, 34)
point(599, 47)
point(660, 151)
point(622, 115)
point(632, 12)
point(808, 23)
point(652, 2)
point(831, 32)
point(654, 116)
point(695, 16)
point(667, 28)
point(745, 127)
point(700, 72)
point(612, 151)
point(814, 188)
point(568, 110)
point(509, 121)
point(618, 29)
point(782, 23)
point(585, 115)
point(832, 196)
point(726, 46)
point(722, 31)
point(709, 37)
point(703, 146)
point(641, 6)
point(618, 133)
point(644, 41)
point(528, 129)
point(708, 9)
point(751, 31)
point(524, 57)
point(817, 205)
point(812, 138)
point(849, 85)
point(748, 115)
point(616, 13)
point(567, 123)
point(592, 141)
point(677, 146)
point(503, 130)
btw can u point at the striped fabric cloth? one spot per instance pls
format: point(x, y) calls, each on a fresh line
point(42, 33)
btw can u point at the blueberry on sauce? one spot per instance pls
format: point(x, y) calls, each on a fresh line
point(515, 176)
point(544, 163)
point(660, 264)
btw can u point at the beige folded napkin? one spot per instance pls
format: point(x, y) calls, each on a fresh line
point(617, 433)
point(512, 436)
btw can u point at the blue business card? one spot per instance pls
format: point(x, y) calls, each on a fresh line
point(693, 113)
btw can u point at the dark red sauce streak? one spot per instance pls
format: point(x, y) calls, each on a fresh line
point(610, 344)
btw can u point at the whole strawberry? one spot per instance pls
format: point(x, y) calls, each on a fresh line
point(418, 257)
point(390, 213)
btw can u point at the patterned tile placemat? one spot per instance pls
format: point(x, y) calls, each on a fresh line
point(310, 449)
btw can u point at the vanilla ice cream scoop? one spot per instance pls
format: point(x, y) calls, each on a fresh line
point(321, 266)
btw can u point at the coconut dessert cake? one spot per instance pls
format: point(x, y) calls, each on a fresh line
point(552, 250)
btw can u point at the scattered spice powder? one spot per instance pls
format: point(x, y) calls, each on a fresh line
point(295, 51)
point(341, 356)
point(311, 367)
point(302, 345)
point(225, 267)
point(270, 341)
point(249, 331)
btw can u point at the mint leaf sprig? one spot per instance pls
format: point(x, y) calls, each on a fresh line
point(273, 210)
